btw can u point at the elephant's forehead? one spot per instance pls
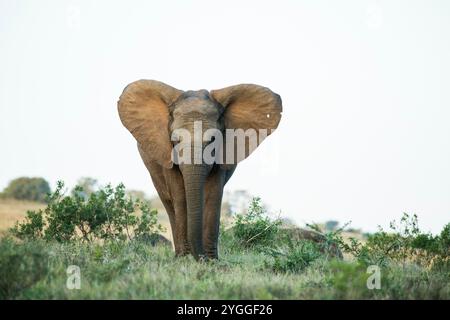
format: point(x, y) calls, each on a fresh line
point(196, 104)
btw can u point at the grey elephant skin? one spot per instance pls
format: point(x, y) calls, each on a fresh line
point(192, 192)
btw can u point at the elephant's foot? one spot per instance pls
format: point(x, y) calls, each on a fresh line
point(203, 257)
point(183, 250)
point(211, 253)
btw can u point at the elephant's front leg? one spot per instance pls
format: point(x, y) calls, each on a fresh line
point(177, 219)
point(211, 212)
point(175, 183)
point(181, 227)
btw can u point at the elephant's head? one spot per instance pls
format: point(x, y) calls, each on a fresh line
point(164, 119)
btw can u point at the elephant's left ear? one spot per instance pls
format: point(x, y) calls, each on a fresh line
point(249, 106)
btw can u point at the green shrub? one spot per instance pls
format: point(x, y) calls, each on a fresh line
point(21, 266)
point(255, 228)
point(105, 214)
point(329, 243)
point(439, 244)
point(33, 189)
point(294, 256)
point(33, 228)
point(404, 243)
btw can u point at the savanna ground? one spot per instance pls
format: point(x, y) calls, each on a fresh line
point(258, 260)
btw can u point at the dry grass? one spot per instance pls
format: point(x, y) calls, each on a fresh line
point(12, 210)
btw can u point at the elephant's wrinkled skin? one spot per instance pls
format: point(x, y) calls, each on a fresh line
point(192, 193)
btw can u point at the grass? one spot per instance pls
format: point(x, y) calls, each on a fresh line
point(12, 210)
point(135, 270)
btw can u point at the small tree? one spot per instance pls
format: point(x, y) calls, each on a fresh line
point(24, 188)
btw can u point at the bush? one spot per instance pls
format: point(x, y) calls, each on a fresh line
point(255, 228)
point(404, 243)
point(21, 266)
point(105, 214)
point(293, 257)
point(329, 243)
point(34, 189)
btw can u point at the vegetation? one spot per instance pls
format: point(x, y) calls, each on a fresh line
point(259, 260)
point(255, 229)
point(21, 266)
point(404, 244)
point(106, 214)
point(294, 257)
point(34, 189)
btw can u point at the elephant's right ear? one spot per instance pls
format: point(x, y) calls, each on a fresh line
point(144, 111)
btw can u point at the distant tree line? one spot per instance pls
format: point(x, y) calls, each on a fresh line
point(38, 189)
point(25, 188)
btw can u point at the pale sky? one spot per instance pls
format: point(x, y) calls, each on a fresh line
point(365, 133)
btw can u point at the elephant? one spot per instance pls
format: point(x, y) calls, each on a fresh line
point(191, 191)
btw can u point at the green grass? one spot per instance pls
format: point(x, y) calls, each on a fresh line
point(135, 270)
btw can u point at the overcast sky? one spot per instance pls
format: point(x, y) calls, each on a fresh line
point(365, 133)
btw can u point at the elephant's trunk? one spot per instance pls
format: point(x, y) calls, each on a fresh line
point(194, 179)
